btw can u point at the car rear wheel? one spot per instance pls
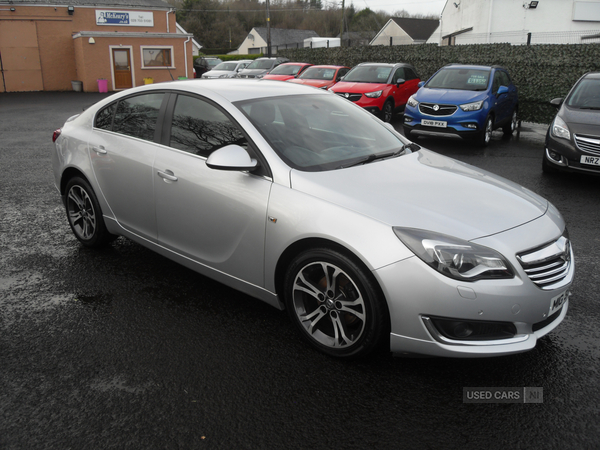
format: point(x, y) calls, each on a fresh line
point(84, 214)
point(510, 127)
point(486, 134)
point(388, 111)
point(336, 307)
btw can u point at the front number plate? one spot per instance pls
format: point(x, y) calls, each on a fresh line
point(591, 160)
point(434, 123)
point(557, 302)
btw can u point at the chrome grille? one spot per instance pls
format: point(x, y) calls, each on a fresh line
point(589, 144)
point(549, 265)
point(350, 96)
point(441, 110)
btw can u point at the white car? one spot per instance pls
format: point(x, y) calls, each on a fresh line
point(227, 69)
point(306, 201)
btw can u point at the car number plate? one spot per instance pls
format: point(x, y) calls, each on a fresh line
point(434, 123)
point(557, 302)
point(591, 160)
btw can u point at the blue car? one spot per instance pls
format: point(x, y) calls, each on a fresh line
point(463, 101)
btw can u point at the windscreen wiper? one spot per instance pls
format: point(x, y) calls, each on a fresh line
point(375, 157)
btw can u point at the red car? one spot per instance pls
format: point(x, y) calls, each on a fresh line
point(321, 76)
point(381, 89)
point(286, 71)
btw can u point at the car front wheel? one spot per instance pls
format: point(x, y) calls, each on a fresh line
point(84, 214)
point(387, 112)
point(510, 127)
point(336, 307)
point(486, 134)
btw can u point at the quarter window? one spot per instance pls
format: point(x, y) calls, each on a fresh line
point(156, 57)
point(136, 116)
point(200, 128)
point(105, 116)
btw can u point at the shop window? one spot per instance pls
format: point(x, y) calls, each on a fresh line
point(153, 57)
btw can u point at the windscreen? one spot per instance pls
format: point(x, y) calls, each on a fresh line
point(228, 66)
point(319, 132)
point(317, 73)
point(284, 69)
point(260, 64)
point(369, 74)
point(586, 95)
point(460, 79)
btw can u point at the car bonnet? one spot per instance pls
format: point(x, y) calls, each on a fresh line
point(449, 96)
point(428, 191)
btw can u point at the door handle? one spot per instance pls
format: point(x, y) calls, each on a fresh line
point(167, 175)
point(100, 150)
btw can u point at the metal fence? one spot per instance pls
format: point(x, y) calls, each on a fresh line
point(525, 38)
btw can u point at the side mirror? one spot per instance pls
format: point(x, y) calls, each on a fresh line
point(400, 81)
point(502, 90)
point(231, 157)
point(421, 84)
point(557, 102)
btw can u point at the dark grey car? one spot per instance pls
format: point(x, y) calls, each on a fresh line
point(573, 138)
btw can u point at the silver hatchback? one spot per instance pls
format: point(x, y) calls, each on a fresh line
point(307, 202)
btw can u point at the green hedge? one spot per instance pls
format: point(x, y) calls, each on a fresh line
point(540, 72)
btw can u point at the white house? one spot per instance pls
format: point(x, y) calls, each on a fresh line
point(322, 42)
point(404, 31)
point(281, 38)
point(195, 45)
point(519, 22)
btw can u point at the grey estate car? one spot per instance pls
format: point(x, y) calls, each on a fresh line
point(304, 200)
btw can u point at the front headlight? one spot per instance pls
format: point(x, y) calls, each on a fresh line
point(455, 258)
point(375, 94)
point(412, 101)
point(560, 129)
point(475, 106)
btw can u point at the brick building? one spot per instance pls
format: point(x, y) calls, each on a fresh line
point(56, 45)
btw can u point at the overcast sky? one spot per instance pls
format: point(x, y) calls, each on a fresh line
point(411, 6)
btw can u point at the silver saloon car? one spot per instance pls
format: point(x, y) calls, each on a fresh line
point(304, 200)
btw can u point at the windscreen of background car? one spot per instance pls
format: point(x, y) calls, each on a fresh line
point(319, 132)
point(586, 95)
point(316, 73)
point(260, 64)
point(285, 70)
point(229, 67)
point(369, 74)
point(460, 79)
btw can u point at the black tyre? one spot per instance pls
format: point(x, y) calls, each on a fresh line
point(334, 304)
point(84, 214)
point(510, 127)
point(388, 111)
point(486, 134)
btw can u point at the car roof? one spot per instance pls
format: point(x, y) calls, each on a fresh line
point(231, 89)
point(471, 66)
point(327, 66)
point(594, 75)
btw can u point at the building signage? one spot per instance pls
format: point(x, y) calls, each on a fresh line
point(125, 18)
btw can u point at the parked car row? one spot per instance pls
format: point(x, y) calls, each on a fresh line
point(464, 101)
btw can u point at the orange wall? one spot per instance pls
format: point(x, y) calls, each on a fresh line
point(43, 38)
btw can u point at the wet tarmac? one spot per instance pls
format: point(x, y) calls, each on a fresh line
point(122, 348)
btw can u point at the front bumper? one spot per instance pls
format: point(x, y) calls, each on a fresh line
point(461, 124)
point(564, 155)
point(416, 294)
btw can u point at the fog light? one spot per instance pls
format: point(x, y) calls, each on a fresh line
point(408, 119)
point(472, 126)
point(462, 330)
point(555, 156)
point(472, 330)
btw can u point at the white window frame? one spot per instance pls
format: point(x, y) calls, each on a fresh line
point(158, 47)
